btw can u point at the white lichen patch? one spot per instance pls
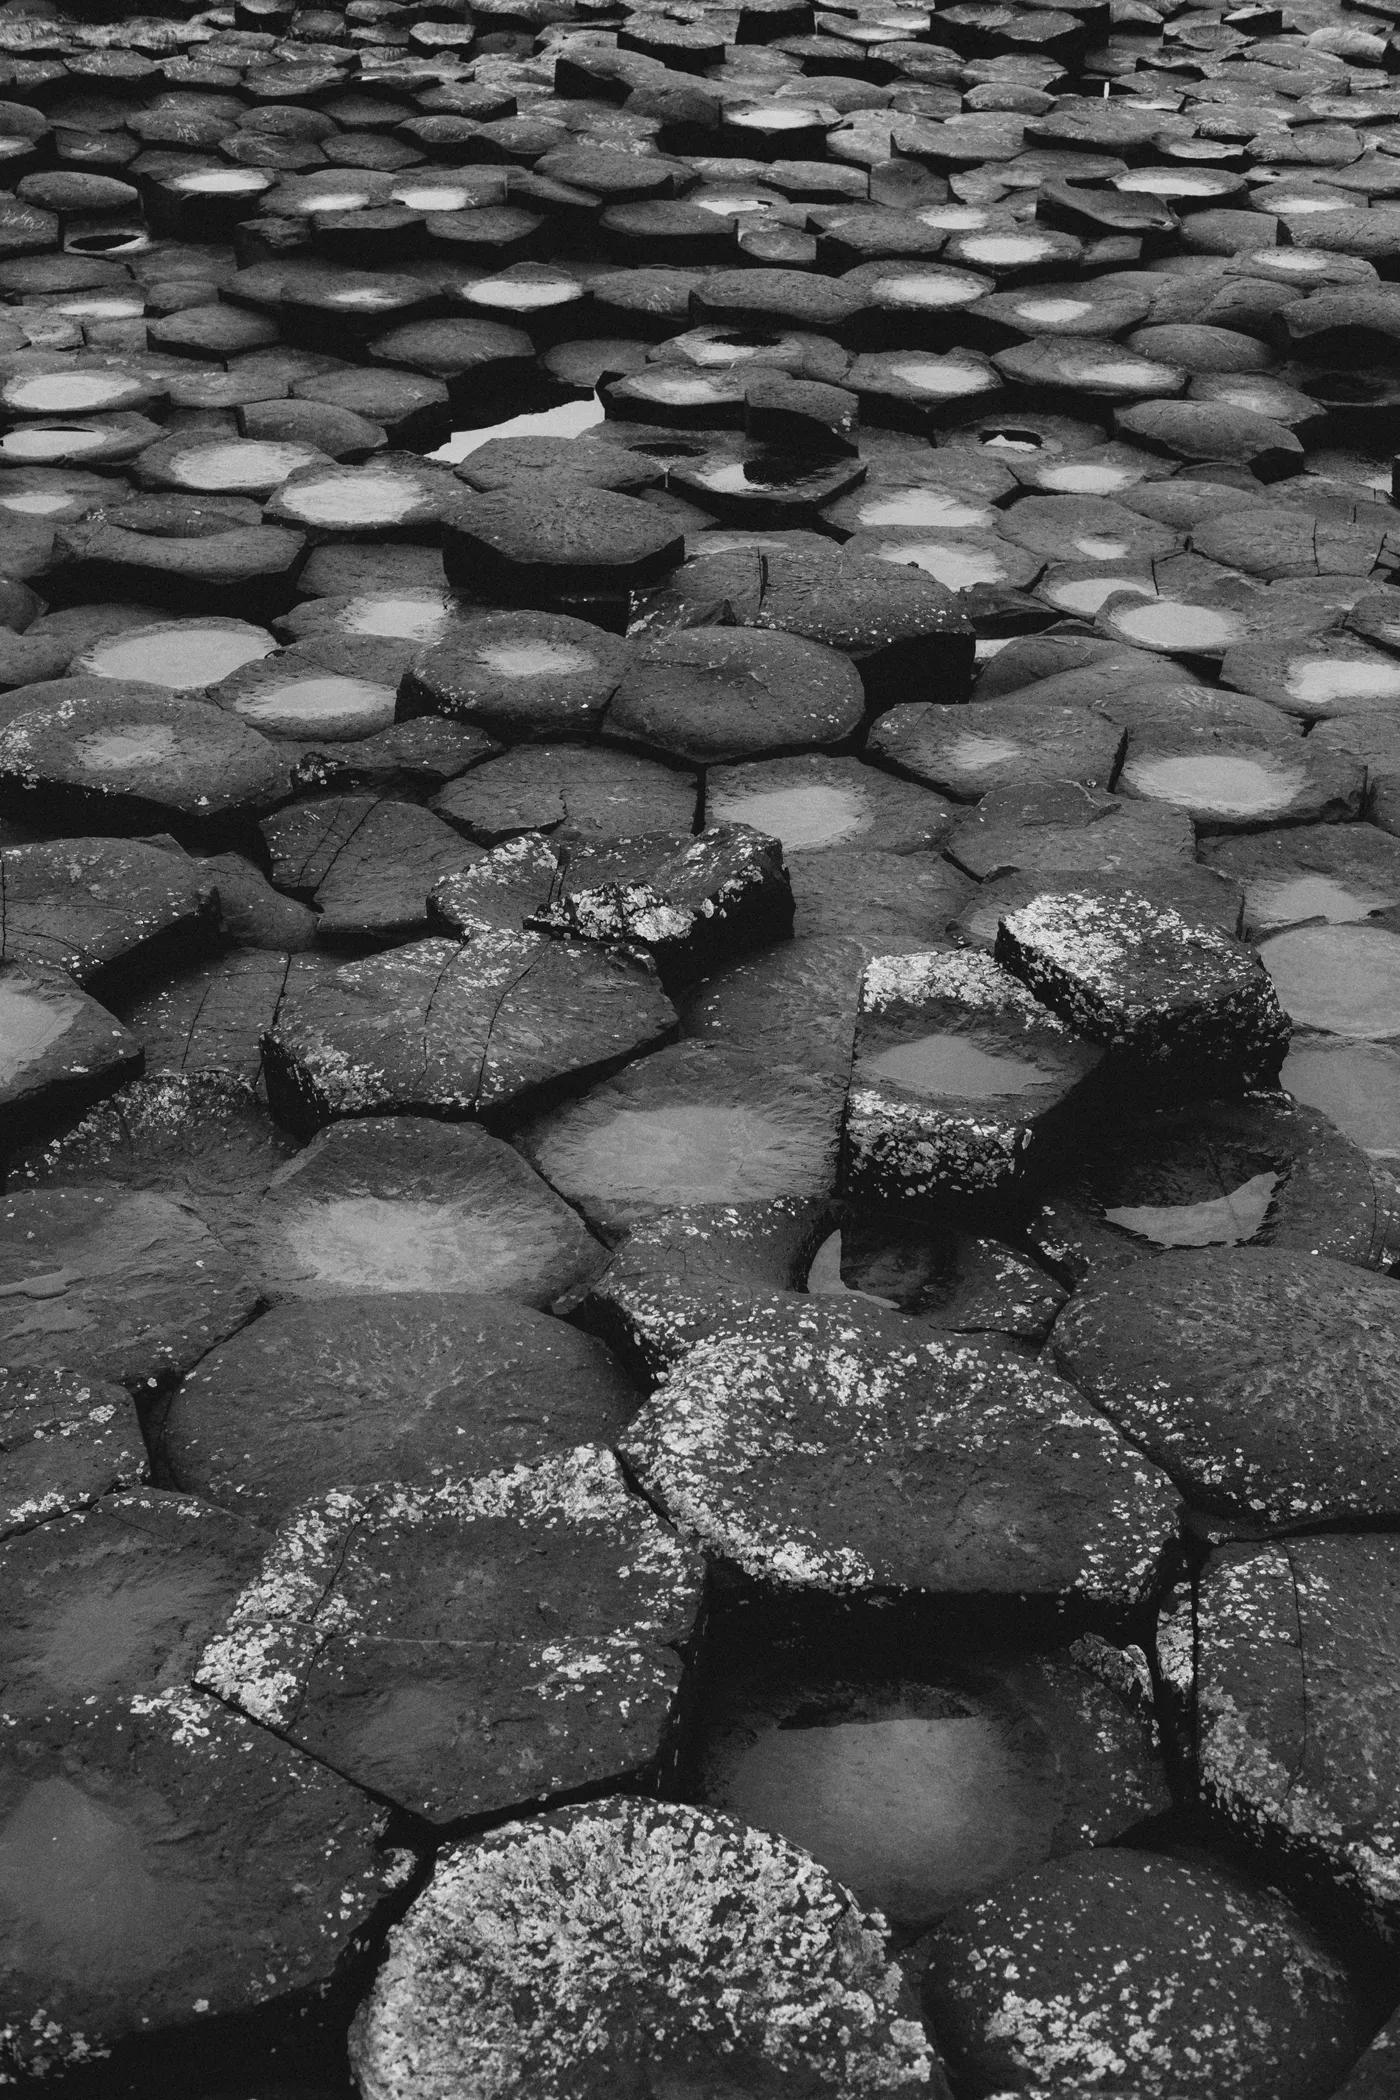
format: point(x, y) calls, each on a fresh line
point(566, 1957)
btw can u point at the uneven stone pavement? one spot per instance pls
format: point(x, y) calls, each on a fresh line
point(700, 1050)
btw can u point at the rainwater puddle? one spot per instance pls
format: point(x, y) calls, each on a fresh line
point(565, 421)
point(953, 1065)
point(802, 817)
point(1344, 980)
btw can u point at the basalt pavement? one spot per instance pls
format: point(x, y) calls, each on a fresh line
point(700, 1050)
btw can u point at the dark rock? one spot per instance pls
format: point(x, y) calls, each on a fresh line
point(966, 752)
point(123, 1285)
point(58, 1047)
point(1337, 872)
point(1264, 1379)
point(392, 1632)
point(103, 755)
point(163, 1856)
point(1294, 1688)
point(599, 794)
point(532, 549)
point(418, 1386)
point(820, 1450)
point(366, 865)
point(1124, 1965)
point(212, 1016)
point(454, 1029)
point(64, 1443)
point(713, 695)
point(101, 908)
point(521, 676)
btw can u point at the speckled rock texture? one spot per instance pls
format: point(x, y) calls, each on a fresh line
point(599, 1950)
point(391, 1633)
point(1296, 1697)
point(1119, 1966)
point(778, 1442)
point(1149, 985)
point(1266, 1382)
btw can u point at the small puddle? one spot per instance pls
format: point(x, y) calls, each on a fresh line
point(1220, 786)
point(951, 562)
point(1356, 1084)
point(374, 1244)
point(1344, 980)
point(127, 746)
point(29, 1026)
point(321, 705)
point(565, 421)
point(184, 659)
point(955, 1066)
point(802, 817)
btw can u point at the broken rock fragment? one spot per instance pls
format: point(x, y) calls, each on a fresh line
point(1149, 985)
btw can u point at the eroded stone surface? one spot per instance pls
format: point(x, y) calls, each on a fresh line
point(627, 1894)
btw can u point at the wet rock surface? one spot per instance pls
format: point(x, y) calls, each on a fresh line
point(699, 1044)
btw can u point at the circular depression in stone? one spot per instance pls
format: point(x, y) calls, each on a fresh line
point(929, 376)
point(372, 499)
point(1086, 594)
point(802, 817)
point(927, 507)
point(1173, 626)
point(535, 659)
point(126, 745)
point(243, 464)
point(1356, 1084)
point(951, 562)
point(952, 1064)
point(382, 1244)
point(181, 658)
point(62, 393)
point(408, 617)
point(935, 289)
point(36, 446)
point(1342, 980)
point(28, 1027)
point(321, 704)
point(1224, 784)
point(1082, 478)
point(695, 1152)
point(1315, 681)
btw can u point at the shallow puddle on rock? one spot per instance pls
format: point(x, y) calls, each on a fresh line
point(1004, 249)
point(129, 744)
point(57, 393)
point(925, 507)
point(410, 618)
point(1087, 593)
point(1343, 980)
point(372, 1243)
point(245, 463)
point(319, 702)
point(1172, 625)
point(1226, 785)
point(368, 499)
point(802, 817)
point(535, 659)
point(953, 1065)
point(74, 1871)
point(929, 377)
point(1100, 549)
point(692, 1153)
point(1356, 1084)
point(913, 1813)
point(1047, 311)
point(190, 657)
point(1317, 680)
point(954, 564)
point(973, 751)
point(1073, 479)
point(1221, 1221)
point(1287, 903)
point(565, 421)
point(28, 1027)
point(35, 503)
point(35, 446)
point(924, 292)
point(516, 295)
